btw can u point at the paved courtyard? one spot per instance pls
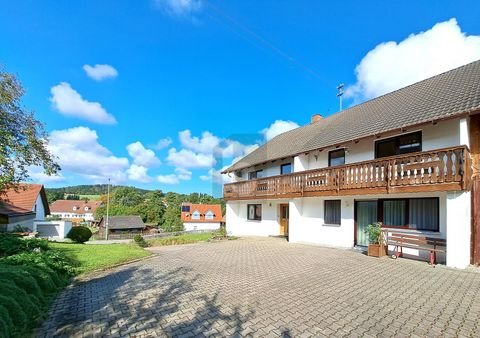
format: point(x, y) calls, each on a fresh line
point(269, 288)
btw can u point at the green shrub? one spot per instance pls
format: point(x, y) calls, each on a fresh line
point(374, 232)
point(140, 241)
point(23, 280)
point(29, 303)
point(47, 279)
point(11, 244)
point(52, 259)
point(80, 234)
point(15, 312)
point(6, 324)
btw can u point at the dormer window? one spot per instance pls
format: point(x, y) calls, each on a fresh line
point(75, 208)
point(87, 208)
point(209, 215)
point(196, 214)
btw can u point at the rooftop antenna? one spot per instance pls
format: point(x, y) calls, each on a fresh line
point(340, 92)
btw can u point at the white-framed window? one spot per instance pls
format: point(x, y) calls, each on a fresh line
point(209, 214)
point(196, 214)
point(87, 208)
point(254, 212)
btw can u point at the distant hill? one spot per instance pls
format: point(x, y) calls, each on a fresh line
point(89, 189)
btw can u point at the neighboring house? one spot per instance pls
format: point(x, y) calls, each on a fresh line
point(75, 210)
point(404, 159)
point(23, 206)
point(201, 216)
point(121, 224)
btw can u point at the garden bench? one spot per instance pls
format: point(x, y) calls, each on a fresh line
point(402, 240)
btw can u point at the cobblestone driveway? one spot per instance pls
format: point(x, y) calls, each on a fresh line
point(269, 288)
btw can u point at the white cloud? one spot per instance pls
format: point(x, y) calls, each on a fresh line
point(100, 72)
point(391, 65)
point(168, 179)
point(179, 8)
point(278, 127)
point(180, 175)
point(186, 158)
point(79, 152)
point(216, 177)
point(162, 143)
point(38, 175)
point(142, 156)
point(70, 103)
point(204, 144)
point(138, 173)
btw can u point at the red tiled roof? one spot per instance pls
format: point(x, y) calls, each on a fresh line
point(25, 196)
point(68, 205)
point(12, 210)
point(202, 209)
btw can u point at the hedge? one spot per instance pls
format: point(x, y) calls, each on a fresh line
point(30, 276)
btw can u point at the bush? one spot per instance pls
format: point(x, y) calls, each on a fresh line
point(80, 234)
point(52, 259)
point(29, 304)
point(15, 313)
point(11, 244)
point(23, 280)
point(6, 324)
point(140, 241)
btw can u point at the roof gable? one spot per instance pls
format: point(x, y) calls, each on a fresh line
point(63, 206)
point(443, 96)
point(202, 209)
point(24, 196)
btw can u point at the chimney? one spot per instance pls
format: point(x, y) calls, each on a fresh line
point(316, 118)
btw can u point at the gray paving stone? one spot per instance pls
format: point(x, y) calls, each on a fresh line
point(267, 287)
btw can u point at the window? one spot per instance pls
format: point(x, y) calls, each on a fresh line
point(336, 157)
point(333, 212)
point(255, 174)
point(209, 215)
point(254, 212)
point(195, 214)
point(185, 208)
point(285, 168)
point(411, 213)
point(402, 144)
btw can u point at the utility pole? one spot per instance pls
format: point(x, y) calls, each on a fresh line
point(108, 206)
point(340, 92)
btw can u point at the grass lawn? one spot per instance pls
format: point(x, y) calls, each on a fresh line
point(92, 257)
point(182, 239)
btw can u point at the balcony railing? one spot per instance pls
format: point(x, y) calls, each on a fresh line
point(445, 169)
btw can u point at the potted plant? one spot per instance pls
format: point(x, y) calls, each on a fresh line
point(376, 247)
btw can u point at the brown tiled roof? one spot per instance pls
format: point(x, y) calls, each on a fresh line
point(202, 209)
point(25, 195)
point(12, 210)
point(68, 205)
point(446, 95)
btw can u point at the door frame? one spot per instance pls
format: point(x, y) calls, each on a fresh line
point(355, 205)
point(280, 205)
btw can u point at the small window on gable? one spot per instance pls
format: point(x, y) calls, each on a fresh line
point(196, 214)
point(209, 215)
point(87, 208)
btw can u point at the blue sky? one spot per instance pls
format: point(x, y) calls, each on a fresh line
point(186, 78)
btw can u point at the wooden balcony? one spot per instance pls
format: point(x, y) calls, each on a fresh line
point(447, 169)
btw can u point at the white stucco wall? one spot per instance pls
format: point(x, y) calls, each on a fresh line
point(237, 223)
point(458, 209)
point(201, 226)
point(28, 223)
point(40, 209)
point(307, 223)
point(61, 228)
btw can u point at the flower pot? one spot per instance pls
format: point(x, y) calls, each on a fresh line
point(377, 250)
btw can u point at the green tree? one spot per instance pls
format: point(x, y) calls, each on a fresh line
point(53, 196)
point(23, 140)
point(172, 219)
point(126, 196)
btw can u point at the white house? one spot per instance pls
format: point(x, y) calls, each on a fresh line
point(22, 206)
point(201, 216)
point(403, 159)
point(75, 210)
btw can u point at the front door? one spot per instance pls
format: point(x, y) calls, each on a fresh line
point(284, 215)
point(365, 214)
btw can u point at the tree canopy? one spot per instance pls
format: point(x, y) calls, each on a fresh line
point(23, 140)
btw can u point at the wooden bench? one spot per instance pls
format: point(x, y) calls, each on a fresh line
point(402, 240)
